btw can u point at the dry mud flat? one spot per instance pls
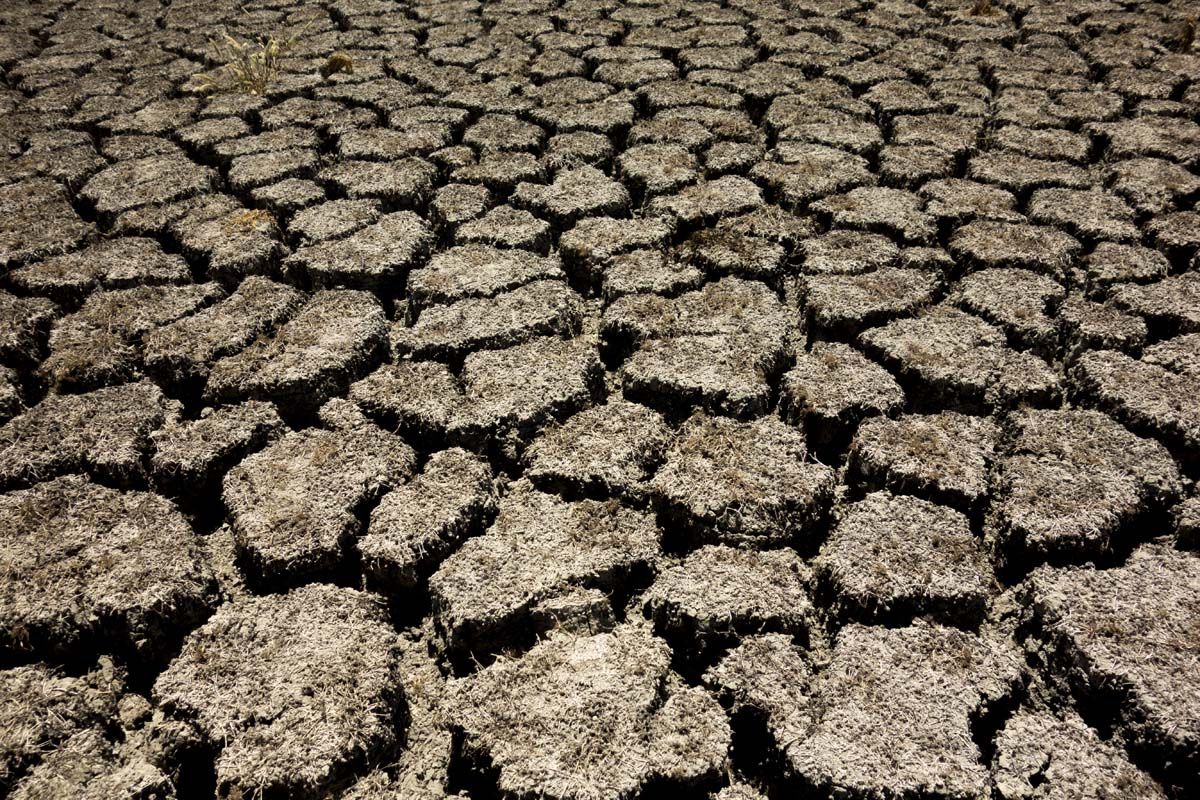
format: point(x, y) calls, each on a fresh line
point(589, 400)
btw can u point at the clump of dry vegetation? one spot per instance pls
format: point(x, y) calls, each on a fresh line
point(248, 67)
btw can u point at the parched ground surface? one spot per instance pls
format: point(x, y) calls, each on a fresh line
point(599, 400)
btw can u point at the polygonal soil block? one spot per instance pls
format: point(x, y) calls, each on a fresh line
point(588, 717)
point(892, 558)
point(88, 566)
point(304, 691)
point(1043, 754)
point(890, 715)
point(292, 505)
point(105, 432)
point(742, 483)
point(539, 547)
point(716, 593)
point(417, 525)
point(832, 388)
point(943, 457)
point(487, 323)
point(609, 450)
point(1124, 640)
point(333, 339)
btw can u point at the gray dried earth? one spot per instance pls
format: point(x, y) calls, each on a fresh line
point(600, 400)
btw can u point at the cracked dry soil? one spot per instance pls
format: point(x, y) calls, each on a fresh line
point(600, 400)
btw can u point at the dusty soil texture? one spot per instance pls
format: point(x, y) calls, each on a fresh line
point(600, 400)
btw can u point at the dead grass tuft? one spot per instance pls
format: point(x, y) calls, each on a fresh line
point(248, 67)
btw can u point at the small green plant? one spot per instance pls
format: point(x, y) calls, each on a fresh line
point(248, 67)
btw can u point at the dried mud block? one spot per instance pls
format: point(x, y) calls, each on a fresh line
point(407, 182)
point(843, 305)
point(572, 195)
point(648, 272)
point(119, 263)
point(1053, 144)
point(457, 203)
point(190, 456)
point(101, 343)
point(1019, 302)
point(184, 351)
point(773, 223)
point(336, 337)
point(1176, 235)
point(890, 715)
point(502, 397)
point(305, 691)
point(500, 172)
point(1124, 638)
point(421, 771)
point(587, 717)
point(1152, 185)
point(538, 547)
point(726, 251)
point(1091, 215)
point(949, 358)
point(288, 196)
point(1153, 136)
point(891, 558)
point(606, 451)
point(1157, 399)
point(832, 388)
point(911, 166)
point(986, 243)
point(956, 201)
point(506, 226)
point(293, 504)
point(1086, 325)
point(417, 525)
point(1169, 306)
point(1022, 174)
point(477, 271)
point(847, 253)
point(1073, 483)
point(708, 201)
point(717, 593)
point(942, 457)
point(89, 767)
point(801, 173)
point(37, 221)
point(1110, 265)
point(579, 610)
point(1040, 754)
point(255, 170)
point(880, 210)
point(744, 484)
point(333, 219)
point(24, 328)
point(40, 708)
point(658, 168)
point(88, 566)
point(375, 257)
point(105, 432)
point(716, 348)
point(146, 181)
point(591, 244)
point(451, 331)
